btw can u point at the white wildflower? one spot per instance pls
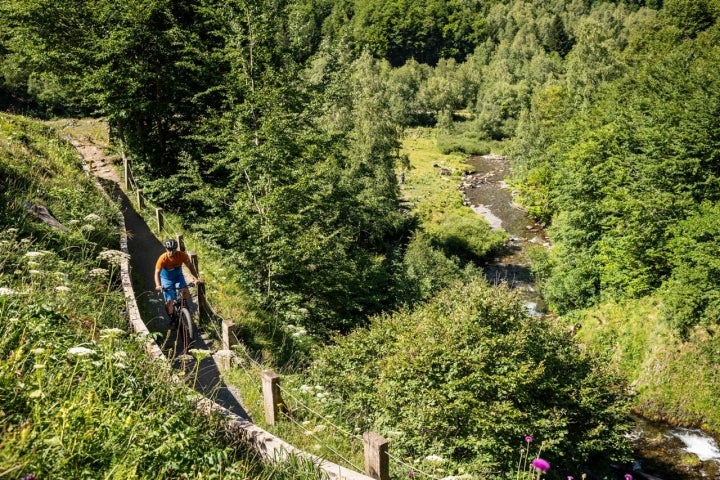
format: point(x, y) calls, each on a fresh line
point(81, 351)
point(119, 355)
point(34, 272)
point(321, 395)
point(6, 292)
point(116, 257)
point(37, 351)
point(62, 288)
point(38, 366)
point(111, 332)
point(33, 263)
point(98, 272)
point(34, 254)
point(320, 428)
point(92, 217)
point(306, 388)
point(434, 458)
point(87, 228)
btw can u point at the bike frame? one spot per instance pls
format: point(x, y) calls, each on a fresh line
point(184, 319)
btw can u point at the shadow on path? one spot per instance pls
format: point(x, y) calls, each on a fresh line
point(144, 249)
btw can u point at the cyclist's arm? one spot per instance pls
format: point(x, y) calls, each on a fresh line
point(194, 273)
point(158, 286)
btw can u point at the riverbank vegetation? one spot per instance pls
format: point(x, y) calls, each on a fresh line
point(281, 130)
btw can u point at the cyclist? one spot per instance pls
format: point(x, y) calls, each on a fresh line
point(168, 273)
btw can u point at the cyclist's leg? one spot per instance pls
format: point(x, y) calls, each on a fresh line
point(169, 294)
point(182, 285)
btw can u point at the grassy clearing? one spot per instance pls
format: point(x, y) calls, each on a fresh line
point(435, 198)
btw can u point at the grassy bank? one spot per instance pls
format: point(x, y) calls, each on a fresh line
point(79, 397)
point(674, 380)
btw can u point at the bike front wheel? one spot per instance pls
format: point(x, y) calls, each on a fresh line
point(186, 324)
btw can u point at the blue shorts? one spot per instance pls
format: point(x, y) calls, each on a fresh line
point(171, 279)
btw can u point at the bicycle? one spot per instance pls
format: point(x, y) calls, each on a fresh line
point(181, 315)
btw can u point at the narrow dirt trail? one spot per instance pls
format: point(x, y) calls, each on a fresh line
point(144, 248)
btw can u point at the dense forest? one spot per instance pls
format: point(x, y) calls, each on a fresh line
point(275, 127)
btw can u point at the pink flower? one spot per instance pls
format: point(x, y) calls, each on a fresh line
point(628, 476)
point(411, 474)
point(570, 477)
point(541, 464)
point(528, 439)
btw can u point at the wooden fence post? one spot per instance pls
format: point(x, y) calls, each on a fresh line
point(180, 242)
point(228, 334)
point(200, 285)
point(194, 260)
point(140, 202)
point(271, 396)
point(159, 216)
point(377, 464)
point(126, 168)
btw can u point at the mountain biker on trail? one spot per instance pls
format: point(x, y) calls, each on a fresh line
point(168, 273)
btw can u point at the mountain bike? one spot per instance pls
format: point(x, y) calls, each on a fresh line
point(181, 317)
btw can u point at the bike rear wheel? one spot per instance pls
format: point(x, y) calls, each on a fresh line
point(186, 324)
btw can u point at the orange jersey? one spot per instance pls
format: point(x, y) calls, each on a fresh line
point(167, 263)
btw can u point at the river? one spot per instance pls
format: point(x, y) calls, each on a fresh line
point(662, 452)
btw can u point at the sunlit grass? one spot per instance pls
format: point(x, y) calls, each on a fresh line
point(436, 198)
point(660, 367)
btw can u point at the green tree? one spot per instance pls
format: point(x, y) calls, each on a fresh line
point(692, 293)
point(558, 39)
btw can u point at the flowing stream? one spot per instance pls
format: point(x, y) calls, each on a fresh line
point(662, 452)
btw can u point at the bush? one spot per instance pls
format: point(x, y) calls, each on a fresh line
point(468, 375)
point(465, 236)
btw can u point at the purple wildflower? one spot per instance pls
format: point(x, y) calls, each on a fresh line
point(411, 474)
point(570, 477)
point(528, 439)
point(29, 476)
point(541, 464)
point(628, 476)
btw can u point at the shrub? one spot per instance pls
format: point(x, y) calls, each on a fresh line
point(467, 375)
